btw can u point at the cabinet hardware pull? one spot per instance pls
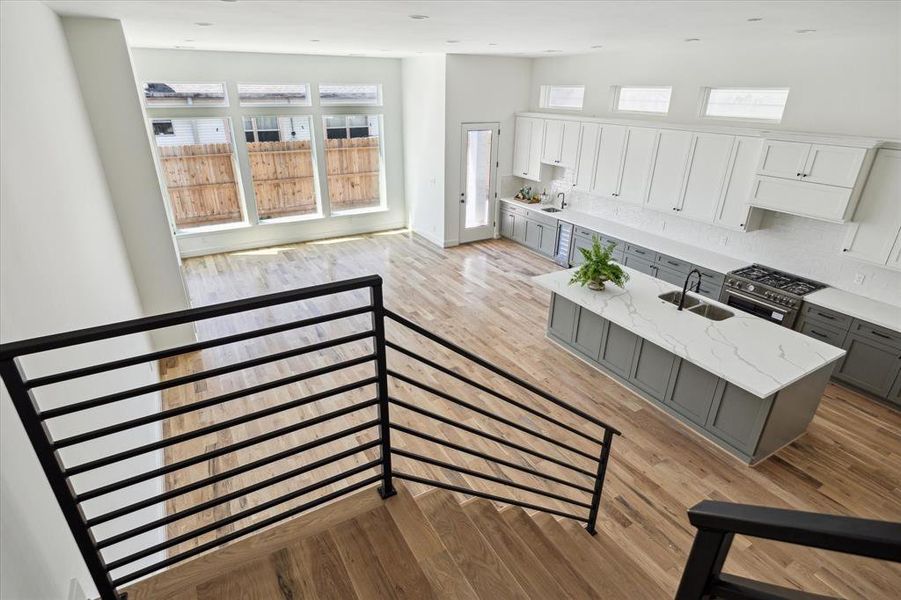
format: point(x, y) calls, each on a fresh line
point(817, 333)
point(804, 174)
point(882, 335)
point(797, 174)
point(825, 316)
point(675, 264)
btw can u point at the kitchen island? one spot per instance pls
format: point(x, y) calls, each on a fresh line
point(746, 384)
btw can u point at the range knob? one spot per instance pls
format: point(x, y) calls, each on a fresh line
point(750, 287)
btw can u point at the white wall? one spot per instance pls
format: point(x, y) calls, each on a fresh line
point(107, 83)
point(63, 265)
point(480, 89)
point(838, 85)
point(424, 144)
point(247, 67)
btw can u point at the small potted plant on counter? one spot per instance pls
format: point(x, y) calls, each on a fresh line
point(598, 267)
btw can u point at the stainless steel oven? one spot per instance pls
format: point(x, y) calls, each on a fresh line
point(780, 315)
point(767, 293)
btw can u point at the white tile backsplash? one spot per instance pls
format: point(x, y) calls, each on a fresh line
point(804, 247)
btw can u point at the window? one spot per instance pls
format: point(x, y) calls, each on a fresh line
point(758, 104)
point(568, 97)
point(184, 94)
point(350, 93)
point(282, 166)
point(653, 100)
point(197, 163)
point(354, 166)
point(273, 94)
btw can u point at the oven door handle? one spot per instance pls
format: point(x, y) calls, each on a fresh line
point(784, 310)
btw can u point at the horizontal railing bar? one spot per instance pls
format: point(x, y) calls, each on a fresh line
point(490, 415)
point(488, 457)
point(201, 404)
point(489, 436)
point(192, 377)
point(100, 332)
point(174, 541)
point(466, 471)
point(486, 495)
point(497, 370)
point(245, 531)
point(182, 464)
point(491, 391)
point(196, 433)
point(193, 510)
point(196, 346)
point(196, 485)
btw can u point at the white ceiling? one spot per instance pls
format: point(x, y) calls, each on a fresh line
point(530, 28)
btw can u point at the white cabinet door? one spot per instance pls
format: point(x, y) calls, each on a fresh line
point(553, 141)
point(894, 258)
point(588, 152)
point(522, 138)
point(609, 160)
point(637, 154)
point(783, 159)
point(833, 165)
point(734, 210)
point(827, 202)
point(569, 145)
point(537, 137)
point(668, 170)
point(707, 166)
point(877, 219)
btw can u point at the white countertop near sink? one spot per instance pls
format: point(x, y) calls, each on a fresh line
point(866, 309)
point(756, 355)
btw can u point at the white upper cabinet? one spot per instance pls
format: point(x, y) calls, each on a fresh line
point(668, 170)
point(877, 220)
point(588, 151)
point(636, 168)
point(833, 165)
point(609, 160)
point(553, 140)
point(707, 166)
point(783, 159)
point(527, 146)
point(561, 143)
point(733, 210)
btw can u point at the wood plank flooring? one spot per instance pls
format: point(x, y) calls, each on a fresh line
point(481, 297)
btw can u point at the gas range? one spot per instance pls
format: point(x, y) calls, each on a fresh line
point(768, 293)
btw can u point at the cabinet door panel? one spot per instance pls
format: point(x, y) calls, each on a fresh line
point(562, 319)
point(533, 234)
point(537, 136)
point(633, 182)
point(668, 171)
point(833, 165)
point(868, 365)
point(671, 276)
point(579, 242)
point(652, 369)
point(589, 333)
point(691, 391)
point(519, 229)
point(783, 159)
point(569, 145)
point(709, 160)
point(588, 152)
point(618, 349)
point(734, 209)
point(826, 202)
point(737, 417)
point(507, 227)
point(609, 159)
point(553, 140)
point(894, 395)
point(877, 218)
point(547, 239)
point(644, 266)
point(522, 138)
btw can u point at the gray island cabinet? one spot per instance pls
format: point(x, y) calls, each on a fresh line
point(750, 396)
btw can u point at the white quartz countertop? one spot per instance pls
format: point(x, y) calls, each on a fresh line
point(866, 309)
point(687, 252)
point(756, 355)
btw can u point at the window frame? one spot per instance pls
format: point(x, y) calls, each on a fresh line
point(224, 104)
point(378, 101)
point(544, 94)
point(383, 190)
point(704, 99)
point(617, 90)
point(308, 103)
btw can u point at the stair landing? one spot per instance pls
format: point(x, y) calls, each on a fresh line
point(423, 547)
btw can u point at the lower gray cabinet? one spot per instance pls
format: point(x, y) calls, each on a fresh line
point(533, 234)
point(652, 368)
point(894, 396)
point(589, 332)
point(547, 239)
point(822, 332)
point(692, 391)
point(737, 417)
point(507, 220)
point(519, 229)
point(617, 349)
point(671, 276)
point(640, 264)
point(576, 258)
point(869, 365)
point(562, 318)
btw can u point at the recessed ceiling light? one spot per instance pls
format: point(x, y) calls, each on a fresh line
point(190, 40)
point(552, 51)
point(453, 41)
point(203, 24)
point(755, 19)
point(419, 17)
point(314, 40)
point(804, 30)
point(692, 39)
point(492, 44)
point(184, 47)
point(597, 46)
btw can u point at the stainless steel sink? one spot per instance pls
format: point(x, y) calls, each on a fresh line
point(709, 311)
point(550, 209)
point(674, 297)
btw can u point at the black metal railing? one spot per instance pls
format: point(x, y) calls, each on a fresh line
point(139, 563)
point(718, 522)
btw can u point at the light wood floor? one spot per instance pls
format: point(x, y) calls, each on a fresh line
point(480, 296)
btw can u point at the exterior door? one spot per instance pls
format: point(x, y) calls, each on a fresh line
point(478, 181)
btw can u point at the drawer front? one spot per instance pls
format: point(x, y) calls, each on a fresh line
point(673, 264)
point(711, 278)
point(639, 264)
point(709, 290)
point(579, 242)
point(670, 276)
point(641, 252)
point(824, 315)
point(585, 232)
point(876, 333)
point(825, 333)
point(543, 218)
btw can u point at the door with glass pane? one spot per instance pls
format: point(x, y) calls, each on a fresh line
point(479, 181)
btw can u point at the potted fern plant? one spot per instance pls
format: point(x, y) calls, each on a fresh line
point(598, 267)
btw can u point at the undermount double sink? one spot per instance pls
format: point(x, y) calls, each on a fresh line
point(698, 307)
point(550, 209)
